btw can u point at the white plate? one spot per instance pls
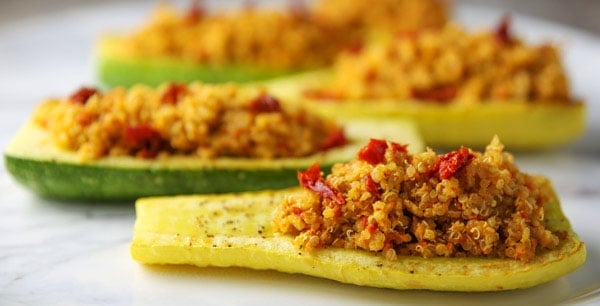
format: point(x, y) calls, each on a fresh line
point(77, 253)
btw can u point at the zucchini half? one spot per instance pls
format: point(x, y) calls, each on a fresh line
point(236, 230)
point(520, 125)
point(36, 163)
point(116, 67)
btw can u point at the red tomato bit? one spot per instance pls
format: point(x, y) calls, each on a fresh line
point(396, 147)
point(372, 186)
point(82, 95)
point(438, 94)
point(335, 139)
point(299, 10)
point(449, 163)
point(196, 12)
point(265, 104)
point(354, 48)
point(502, 32)
point(173, 93)
point(145, 140)
point(374, 152)
point(311, 179)
point(371, 228)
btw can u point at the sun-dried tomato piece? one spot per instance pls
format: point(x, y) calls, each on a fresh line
point(173, 93)
point(297, 211)
point(139, 134)
point(145, 141)
point(370, 76)
point(354, 48)
point(335, 139)
point(372, 187)
point(502, 32)
point(312, 179)
point(374, 152)
point(449, 163)
point(299, 10)
point(396, 147)
point(85, 118)
point(195, 12)
point(82, 95)
point(372, 227)
point(265, 104)
point(438, 94)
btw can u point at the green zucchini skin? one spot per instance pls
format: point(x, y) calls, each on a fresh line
point(73, 182)
point(114, 72)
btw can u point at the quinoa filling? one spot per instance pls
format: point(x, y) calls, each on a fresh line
point(299, 37)
point(447, 65)
point(460, 204)
point(250, 36)
point(177, 119)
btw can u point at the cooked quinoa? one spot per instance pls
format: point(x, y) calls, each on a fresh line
point(177, 119)
point(253, 36)
point(451, 64)
point(302, 36)
point(382, 15)
point(463, 203)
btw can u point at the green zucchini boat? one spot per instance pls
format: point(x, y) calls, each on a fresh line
point(460, 88)
point(247, 44)
point(124, 144)
point(245, 230)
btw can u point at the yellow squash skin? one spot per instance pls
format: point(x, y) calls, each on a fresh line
point(235, 230)
point(520, 124)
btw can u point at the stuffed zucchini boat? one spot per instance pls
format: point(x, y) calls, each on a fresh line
point(250, 43)
point(462, 221)
point(193, 44)
point(177, 139)
point(460, 88)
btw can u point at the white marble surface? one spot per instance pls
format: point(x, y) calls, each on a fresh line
point(54, 253)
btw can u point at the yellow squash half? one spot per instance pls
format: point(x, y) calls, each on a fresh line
point(521, 125)
point(235, 230)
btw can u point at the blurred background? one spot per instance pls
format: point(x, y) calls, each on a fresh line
point(583, 14)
